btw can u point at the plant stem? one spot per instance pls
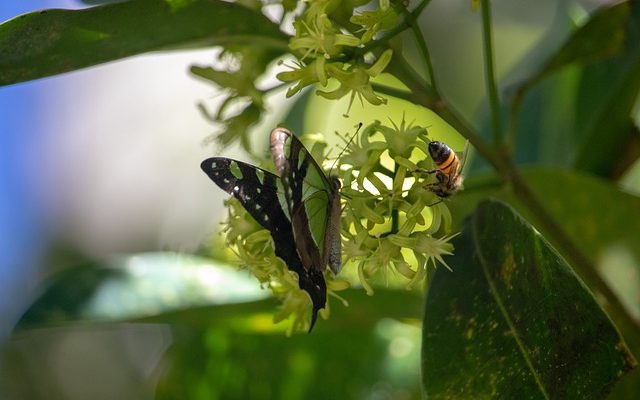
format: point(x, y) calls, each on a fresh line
point(500, 161)
point(490, 73)
point(411, 18)
point(422, 45)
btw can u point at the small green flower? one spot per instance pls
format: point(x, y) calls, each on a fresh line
point(426, 246)
point(305, 75)
point(320, 38)
point(372, 22)
point(402, 215)
point(403, 139)
point(385, 254)
point(356, 79)
point(364, 153)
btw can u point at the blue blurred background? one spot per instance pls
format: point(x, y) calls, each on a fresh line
point(70, 144)
point(21, 126)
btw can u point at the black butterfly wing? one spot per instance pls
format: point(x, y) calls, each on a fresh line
point(313, 200)
point(257, 190)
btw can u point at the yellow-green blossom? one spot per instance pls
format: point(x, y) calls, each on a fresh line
point(305, 75)
point(320, 38)
point(255, 249)
point(372, 22)
point(356, 79)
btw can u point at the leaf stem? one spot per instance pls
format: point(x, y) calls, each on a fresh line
point(490, 73)
point(422, 45)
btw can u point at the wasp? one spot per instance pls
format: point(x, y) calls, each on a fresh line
point(449, 169)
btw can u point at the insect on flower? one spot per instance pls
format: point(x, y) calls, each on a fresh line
point(300, 207)
point(449, 169)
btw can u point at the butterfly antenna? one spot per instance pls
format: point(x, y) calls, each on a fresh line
point(345, 147)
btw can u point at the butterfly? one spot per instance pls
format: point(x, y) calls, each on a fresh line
point(300, 207)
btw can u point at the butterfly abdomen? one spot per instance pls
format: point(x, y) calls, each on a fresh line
point(277, 142)
point(333, 241)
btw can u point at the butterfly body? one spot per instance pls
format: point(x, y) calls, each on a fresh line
point(309, 193)
point(300, 206)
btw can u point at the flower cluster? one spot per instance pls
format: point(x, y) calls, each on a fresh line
point(325, 50)
point(256, 252)
point(391, 220)
point(235, 76)
point(391, 215)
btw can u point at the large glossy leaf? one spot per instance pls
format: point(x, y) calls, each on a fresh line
point(513, 321)
point(593, 212)
point(54, 41)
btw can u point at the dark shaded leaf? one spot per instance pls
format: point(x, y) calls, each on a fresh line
point(588, 106)
point(606, 100)
point(594, 213)
point(504, 323)
point(546, 121)
point(51, 42)
point(602, 36)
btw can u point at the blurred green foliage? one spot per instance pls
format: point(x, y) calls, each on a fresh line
point(103, 330)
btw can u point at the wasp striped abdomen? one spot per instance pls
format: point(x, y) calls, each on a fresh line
point(449, 171)
point(445, 158)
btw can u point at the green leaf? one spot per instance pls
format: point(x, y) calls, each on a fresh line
point(546, 120)
point(138, 286)
point(602, 36)
point(593, 212)
point(606, 100)
point(588, 107)
point(195, 354)
point(51, 42)
point(179, 289)
point(342, 363)
point(513, 321)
